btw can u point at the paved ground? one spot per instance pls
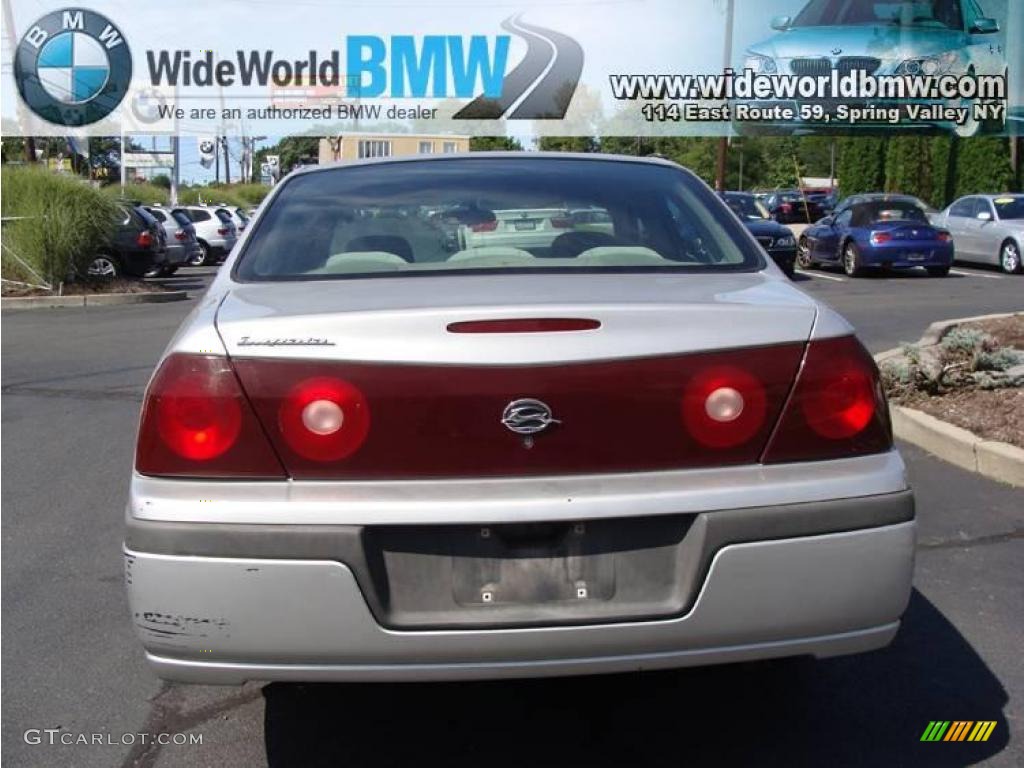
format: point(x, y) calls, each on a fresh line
point(72, 384)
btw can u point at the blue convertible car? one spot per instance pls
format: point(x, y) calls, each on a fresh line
point(881, 231)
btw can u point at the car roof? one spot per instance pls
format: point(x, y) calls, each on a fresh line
point(503, 155)
point(886, 197)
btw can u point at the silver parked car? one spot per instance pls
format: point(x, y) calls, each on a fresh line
point(182, 245)
point(370, 458)
point(988, 229)
point(215, 231)
point(238, 215)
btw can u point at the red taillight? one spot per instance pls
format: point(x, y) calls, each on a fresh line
point(723, 407)
point(786, 208)
point(222, 231)
point(447, 420)
point(181, 234)
point(944, 237)
point(561, 223)
point(197, 422)
point(484, 226)
point(877, 238)
point(144, 240)
point(837, 408)
point(324, 419)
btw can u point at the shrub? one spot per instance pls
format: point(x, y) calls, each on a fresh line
point(147, 194)
point(240, 195)
point(66, 222)
point(966, 358)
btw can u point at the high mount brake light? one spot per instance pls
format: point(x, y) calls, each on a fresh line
point(196, 422)
point(525, 325)
point(837, 408)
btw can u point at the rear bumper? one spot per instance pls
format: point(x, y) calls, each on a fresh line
point(908, 255)
point(785, 258)
point(821, 578)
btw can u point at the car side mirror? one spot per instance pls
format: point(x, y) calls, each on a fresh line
point(984, 26)
point(782, 23)
point(984, 216)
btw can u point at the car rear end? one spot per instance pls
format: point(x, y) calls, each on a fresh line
point(185, 236)
point(536, 227)
point(177, 240)
point(215, 231)
point(352, 467)
point(140, 242)
point(897, 234)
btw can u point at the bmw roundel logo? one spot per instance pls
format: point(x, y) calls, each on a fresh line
point(73, 67)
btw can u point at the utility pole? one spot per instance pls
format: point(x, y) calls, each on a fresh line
point(227, 163)
point(176, 171)
point(723, 143)
point(216, 160)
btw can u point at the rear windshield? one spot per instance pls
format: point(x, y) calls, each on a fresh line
point(493, 214)
point(181, 217)
point(746, 207)
point(870, 213)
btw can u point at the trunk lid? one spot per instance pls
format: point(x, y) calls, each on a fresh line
point(406, 319)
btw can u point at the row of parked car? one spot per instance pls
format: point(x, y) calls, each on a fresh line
point(872, 231)
point(154, 240)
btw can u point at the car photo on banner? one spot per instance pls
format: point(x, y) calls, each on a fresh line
point(901, 38)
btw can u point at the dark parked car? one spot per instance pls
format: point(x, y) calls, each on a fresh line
point(827, 201)
point(775, 238)
point(791, 206)
point(137, 248)
point(891, 231)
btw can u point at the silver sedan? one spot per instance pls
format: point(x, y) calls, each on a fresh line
point(371, 458)
point(987, 229)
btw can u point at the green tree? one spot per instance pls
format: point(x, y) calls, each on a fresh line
point(982, 165)
point(495, 144)
point(861, 164)
point(567, 144)
point(293, 150)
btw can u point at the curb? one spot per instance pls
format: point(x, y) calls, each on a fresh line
point(94, 300)
point(990, 458)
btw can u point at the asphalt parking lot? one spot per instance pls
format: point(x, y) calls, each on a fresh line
point(72, 385)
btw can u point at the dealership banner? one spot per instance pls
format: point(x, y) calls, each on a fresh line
point(607, 67)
